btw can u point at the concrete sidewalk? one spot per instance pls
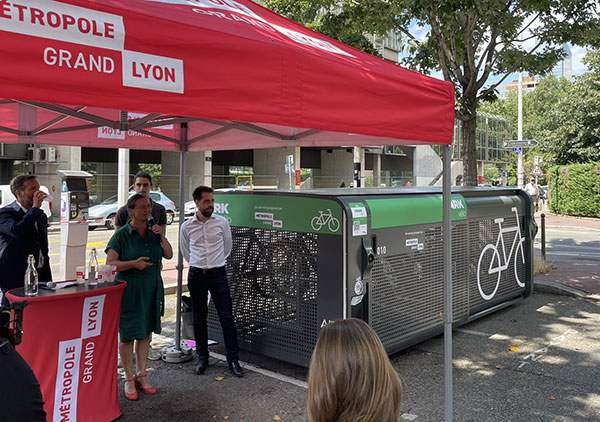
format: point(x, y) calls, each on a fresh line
point(572, 275)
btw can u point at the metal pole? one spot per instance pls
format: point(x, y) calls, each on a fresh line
point(520, 130)
point(123, 177)
point(182, 170)
point(543, 221)
point(356, 159)
point(178, 353)
point(447, 244)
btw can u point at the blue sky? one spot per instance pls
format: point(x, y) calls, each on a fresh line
point(578, 53)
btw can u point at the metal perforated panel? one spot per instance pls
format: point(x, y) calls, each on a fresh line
point(499, 265)
point(407, 289)
point(273, 279)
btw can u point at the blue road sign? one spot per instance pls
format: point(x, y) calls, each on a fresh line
point(518, 149)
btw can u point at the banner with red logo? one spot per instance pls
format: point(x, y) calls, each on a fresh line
point(70, 342)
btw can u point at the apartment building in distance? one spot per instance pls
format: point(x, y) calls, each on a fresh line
point(529, 83)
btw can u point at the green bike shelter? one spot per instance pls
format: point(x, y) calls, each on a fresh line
point(303, 258)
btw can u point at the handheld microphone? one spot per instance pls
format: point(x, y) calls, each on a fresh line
point(150, 221)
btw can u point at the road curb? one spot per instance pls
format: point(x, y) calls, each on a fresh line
point(543, 286)
point(172, 289)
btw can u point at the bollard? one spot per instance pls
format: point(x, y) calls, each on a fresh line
point(543, 221)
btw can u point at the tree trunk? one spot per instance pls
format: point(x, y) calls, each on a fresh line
point(469, 150)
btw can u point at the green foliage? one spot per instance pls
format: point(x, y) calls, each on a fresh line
point(466, 40)
point(575, 190)
point(344, 24)
point(491, 173)
point(561, 115)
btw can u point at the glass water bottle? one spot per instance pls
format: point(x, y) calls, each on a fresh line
point(93, 268)
point(31, 278)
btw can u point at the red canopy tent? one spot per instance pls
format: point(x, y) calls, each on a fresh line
point(241, 74)
point(204, 75)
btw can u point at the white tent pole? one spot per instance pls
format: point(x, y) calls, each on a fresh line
point(123, 177)
point(447, 245)
point(179, 353)
point(520, 171)
point(182, 171)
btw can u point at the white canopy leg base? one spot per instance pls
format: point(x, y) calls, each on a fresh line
point(171, 354)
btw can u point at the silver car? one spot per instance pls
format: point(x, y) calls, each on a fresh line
point(104, 213)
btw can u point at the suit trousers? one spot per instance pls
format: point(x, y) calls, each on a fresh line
point(200, 282)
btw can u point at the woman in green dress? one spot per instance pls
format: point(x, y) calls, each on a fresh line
point(137, 251)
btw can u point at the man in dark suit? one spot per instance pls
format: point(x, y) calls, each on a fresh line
point(23, 232)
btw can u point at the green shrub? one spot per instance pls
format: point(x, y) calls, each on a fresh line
point(575, 190)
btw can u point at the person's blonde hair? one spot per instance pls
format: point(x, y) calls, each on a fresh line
point(351, 378)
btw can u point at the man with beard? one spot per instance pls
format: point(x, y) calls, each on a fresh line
point(205, 243)
point(23, 232)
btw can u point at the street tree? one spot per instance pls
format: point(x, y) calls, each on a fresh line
point(467, 40)
point(538, 108)
point(561, 115)
point(572, 131)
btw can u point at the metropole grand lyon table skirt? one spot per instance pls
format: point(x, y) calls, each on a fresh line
point(70, 342)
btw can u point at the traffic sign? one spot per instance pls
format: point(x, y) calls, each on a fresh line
point(536, 171)
point(525, 143)
point(518, 149)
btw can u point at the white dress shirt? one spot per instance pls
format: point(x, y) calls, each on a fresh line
point(205, 245)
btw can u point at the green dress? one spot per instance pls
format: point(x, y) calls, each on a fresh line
point(143, 299)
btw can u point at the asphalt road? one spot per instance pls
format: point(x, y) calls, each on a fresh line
point(575, 242)
point(538, 360)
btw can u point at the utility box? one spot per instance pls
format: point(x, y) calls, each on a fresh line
point(75, 198)
point(74, 205)
point(301, 260)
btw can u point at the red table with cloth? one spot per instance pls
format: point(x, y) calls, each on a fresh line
point(70, 342)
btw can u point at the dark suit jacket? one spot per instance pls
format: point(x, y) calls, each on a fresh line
point(19, 237)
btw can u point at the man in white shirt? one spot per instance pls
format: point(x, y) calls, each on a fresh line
point(205, 243)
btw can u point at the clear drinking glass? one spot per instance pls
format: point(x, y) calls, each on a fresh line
point(80, 274)
point(112, 272)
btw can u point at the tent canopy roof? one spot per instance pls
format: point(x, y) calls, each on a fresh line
point(238, 74)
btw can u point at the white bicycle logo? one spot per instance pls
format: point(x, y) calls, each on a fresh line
point(490, 260)
point(325, 218)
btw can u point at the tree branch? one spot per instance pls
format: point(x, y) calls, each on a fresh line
point(468, 24)
point(491, 47)
point(510, 71)
point(455, 68)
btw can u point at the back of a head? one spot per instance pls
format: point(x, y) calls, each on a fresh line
point(351, 378)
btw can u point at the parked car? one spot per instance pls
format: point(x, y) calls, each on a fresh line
point(189, 207)
point(6, 197)
point(104, 213)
